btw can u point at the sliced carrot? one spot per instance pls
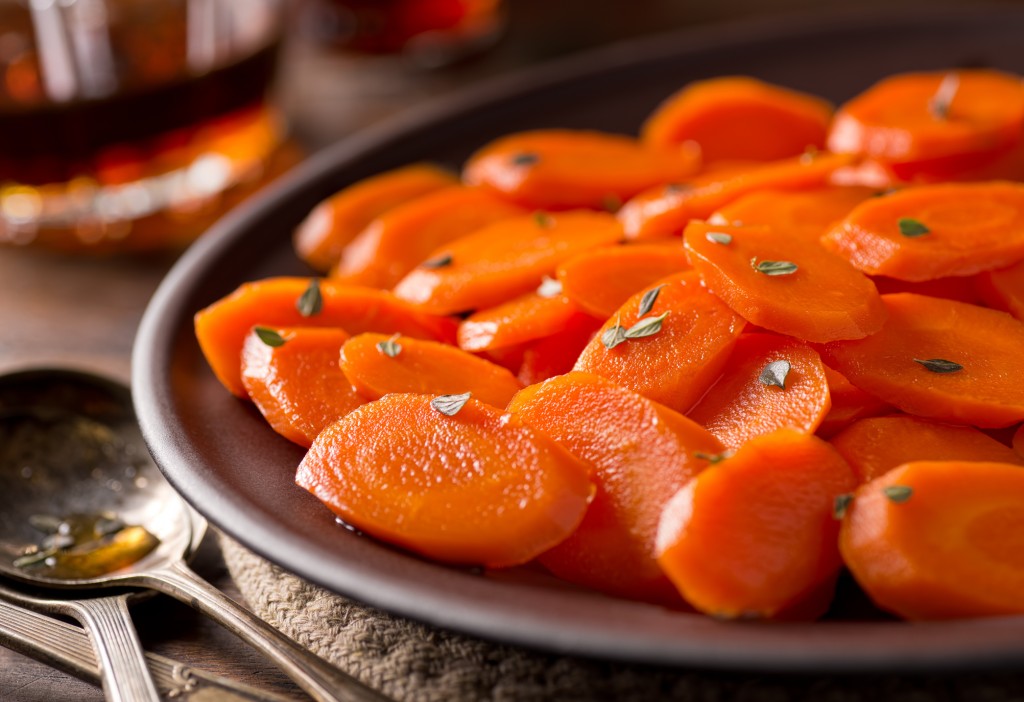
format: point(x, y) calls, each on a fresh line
point(297, 386)
point(221, 328)
point(782, 285)
point(753, 536)
point(1003, 289)
point(941, 359)
point(641, 453)
point(801, 216)
point(337, 220)
point(664, 210)
point(770, 383)
point(849, 403)
point(933, 231)
point(562, 169)
point(477, 487)
point(962, 289)
point(378, 365)
point(526, 318)
point(933, 125)
point(502, 261)
point(557, 354)
point(394, 243)
point(600, 281)
point(683, 356)
point(737, 117)
point(876, 445)
point(940, 539)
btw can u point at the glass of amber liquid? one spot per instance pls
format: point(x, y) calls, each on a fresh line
point(131, 124)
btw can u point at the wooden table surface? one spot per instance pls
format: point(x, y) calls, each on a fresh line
point(82, 312)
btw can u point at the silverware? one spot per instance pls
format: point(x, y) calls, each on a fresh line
point(68, 648)
point(89, 472)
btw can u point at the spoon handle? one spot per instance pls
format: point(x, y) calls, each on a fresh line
point(122, 661)
point(319, 679)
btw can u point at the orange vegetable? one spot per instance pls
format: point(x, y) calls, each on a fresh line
point(562, 169)
point(664, 210)
point(506, 259)
point(1018, 441)
point(557, 354)
point(336, 221)
point(479, 487)
point(747, 401)
point(736, 117)
point(907, 363)
point(1003, 289)
point(952, 229)
point(940, 539)
point(876, 445)
point(795, 216)
point(782, 285)
point(849, 403)
point(524, 319)
point(754, 535)
point(600, 281)
point(394, 243)
point(679, 362)
point(933, 125)
point(222, 327)
point(377, 365)
point(297, 386)
point(641, 453)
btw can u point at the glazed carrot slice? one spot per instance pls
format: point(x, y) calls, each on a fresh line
point(737, 117)
point(803, 216)
point(526, 318)
point(770, 383)
point(1003, 289)
point(297, 385)
point(333, 223)
point(664, 210)
point(941, 359)
point(502, 261)
point(378, 365)
point(935, 124)
point(933, 231)
point(876, 445)
point(394, 243)
point(849, 403)
point(680, 357)
point(782, 285)
point(600, 281)
point(753, 536)
point(940, 539)
point(557, 354)
point(564, 169)
point(478, 487)
point(222, 327)
point(641, 453)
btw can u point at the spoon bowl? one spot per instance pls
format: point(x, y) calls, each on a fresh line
point(83, 506)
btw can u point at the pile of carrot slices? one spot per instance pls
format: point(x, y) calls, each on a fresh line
point(709, 367)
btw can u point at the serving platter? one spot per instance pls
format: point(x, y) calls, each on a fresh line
point(221, 456)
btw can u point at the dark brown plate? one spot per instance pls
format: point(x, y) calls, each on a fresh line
point(218, 452)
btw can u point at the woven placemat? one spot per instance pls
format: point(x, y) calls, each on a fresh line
point(416, 663)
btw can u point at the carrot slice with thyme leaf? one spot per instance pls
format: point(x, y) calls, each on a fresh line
point(934, 231)
point(939, 539)
point(941, 359)
point(782, 285)
point(448, 477)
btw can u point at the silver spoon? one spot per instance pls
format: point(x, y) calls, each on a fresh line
point(114, 486)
